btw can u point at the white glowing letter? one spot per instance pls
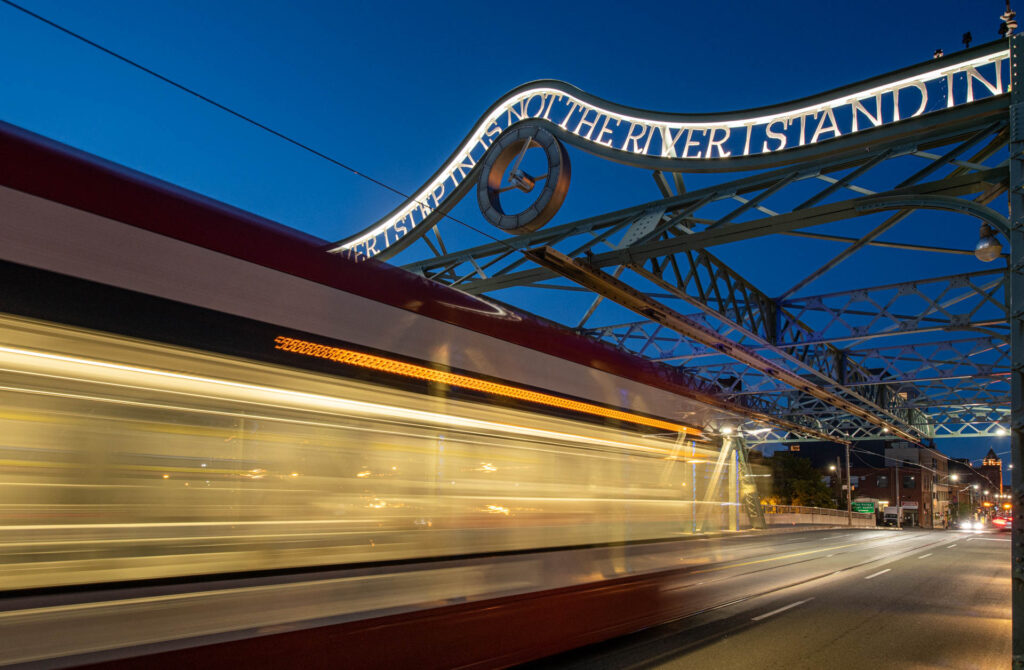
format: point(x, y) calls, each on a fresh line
point(466, 163)
point(572, 110)
point(589, 124)
point(994, 89)
point(920, 109)
point(668, 142)
point(551, 102)
point(540, 110)
point(400, 228)
point(833, 128)
point(875, 120)
point(772, 135)
point(518, 109)
point(717, 144)
point(635, 138)
point(746, 142)
point(605, 130)
point(690, 142)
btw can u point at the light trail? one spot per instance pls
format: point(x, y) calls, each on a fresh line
point(271, 396)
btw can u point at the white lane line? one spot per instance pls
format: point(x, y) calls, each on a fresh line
point(991, 539)
point(781, 609)
point(925, 556)
point(951, 546)
point(830, 556)
point(882, 572)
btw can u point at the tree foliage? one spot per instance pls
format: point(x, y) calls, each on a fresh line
point(796, 482)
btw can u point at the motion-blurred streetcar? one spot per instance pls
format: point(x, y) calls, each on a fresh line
point(190, 391)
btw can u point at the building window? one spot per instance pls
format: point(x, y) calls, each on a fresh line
point(908, 481)
point(882, 481)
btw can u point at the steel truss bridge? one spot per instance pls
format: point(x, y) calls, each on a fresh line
point(933, 352)
point(926, 357)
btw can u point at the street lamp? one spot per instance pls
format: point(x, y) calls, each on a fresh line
point(837, 468)
point(944, 481)
point(989, 247)
point(972, 488)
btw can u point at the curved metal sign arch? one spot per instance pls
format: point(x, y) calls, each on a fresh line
point(743, 140)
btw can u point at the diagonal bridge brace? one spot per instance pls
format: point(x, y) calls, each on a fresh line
point(617, 291)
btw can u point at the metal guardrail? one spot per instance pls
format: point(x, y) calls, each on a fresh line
point(821, 511)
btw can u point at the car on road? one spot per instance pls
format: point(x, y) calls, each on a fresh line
point(1003, 523)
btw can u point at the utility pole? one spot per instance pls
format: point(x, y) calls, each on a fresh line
point(1016, 281)
point(899, 501)
point(849, 489)
point(838, 469)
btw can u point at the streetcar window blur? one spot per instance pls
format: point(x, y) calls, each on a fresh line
point(126, 460)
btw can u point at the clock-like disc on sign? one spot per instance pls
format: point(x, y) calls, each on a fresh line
point(509, 150)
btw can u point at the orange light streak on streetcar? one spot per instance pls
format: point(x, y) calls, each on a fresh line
point(372, 362)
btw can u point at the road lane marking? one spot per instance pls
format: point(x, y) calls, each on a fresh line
point(770, 559)
point(830, 556)
point(951, 546)
point(925, 556)
point(990, 539)
point(882, 572)
point(775, 558)
point(781, 609)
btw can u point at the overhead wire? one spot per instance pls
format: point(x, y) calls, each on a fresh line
point(243, 117)
point(912, 463)
point(250, 120)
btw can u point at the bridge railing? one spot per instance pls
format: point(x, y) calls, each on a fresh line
point(796, 515)
point(820, 511)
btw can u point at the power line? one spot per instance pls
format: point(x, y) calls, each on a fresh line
point(914, 463)
point(235, 113)
point(202, 97)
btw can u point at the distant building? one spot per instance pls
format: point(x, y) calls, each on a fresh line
point(929, 485)
point(974, 481)
point(918, 479)
point(992, 470)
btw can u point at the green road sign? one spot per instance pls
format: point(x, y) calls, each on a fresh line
point(864, 507)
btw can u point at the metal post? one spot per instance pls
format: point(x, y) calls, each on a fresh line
point(748, 487)
point(734, 489)
point(837, 480)
point(693, 489)
point(716, 480)
point(849, 490)
point(1016, 283)
point(899, 501)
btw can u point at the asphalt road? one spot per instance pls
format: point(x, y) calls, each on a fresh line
point(834, 599)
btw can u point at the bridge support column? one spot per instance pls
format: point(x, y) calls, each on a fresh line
point(734, 489)
point(1016, 286)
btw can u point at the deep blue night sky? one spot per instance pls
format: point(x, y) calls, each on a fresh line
point(391, 88)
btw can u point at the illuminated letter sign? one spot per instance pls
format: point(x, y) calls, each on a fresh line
point(630, 135)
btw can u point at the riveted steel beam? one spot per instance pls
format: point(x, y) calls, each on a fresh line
point(613, 289)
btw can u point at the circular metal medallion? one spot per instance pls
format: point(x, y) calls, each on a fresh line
point(511, 148)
